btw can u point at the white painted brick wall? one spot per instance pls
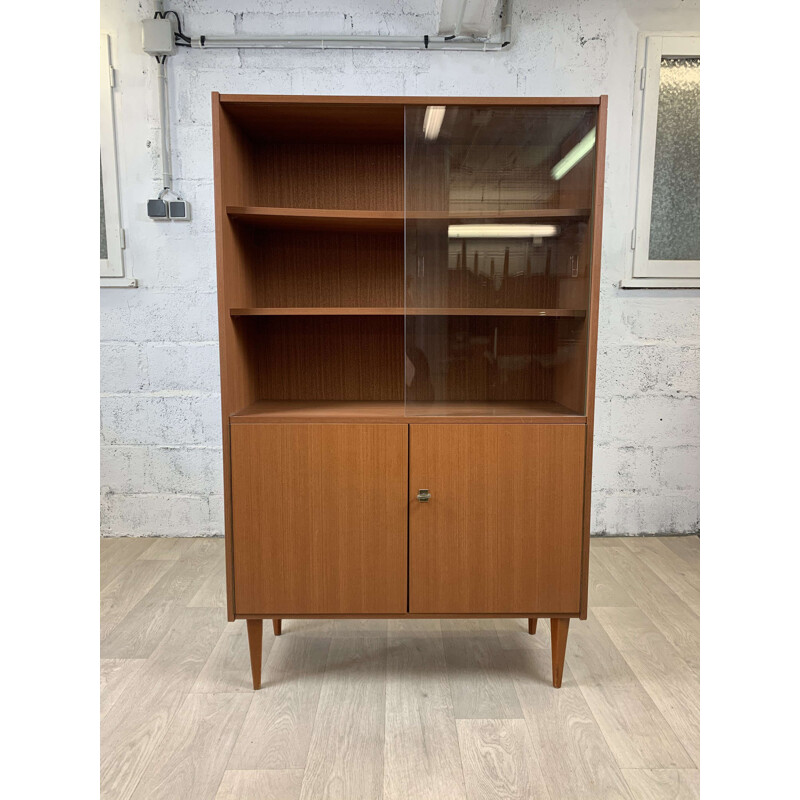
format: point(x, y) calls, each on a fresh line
point(161, 456)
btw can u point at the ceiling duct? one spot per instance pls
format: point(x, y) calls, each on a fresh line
point(480, 19)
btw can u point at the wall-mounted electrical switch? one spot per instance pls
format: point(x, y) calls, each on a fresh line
point(179, 210)
point(157, 209)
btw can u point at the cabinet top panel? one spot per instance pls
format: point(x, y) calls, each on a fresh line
point(381, 100)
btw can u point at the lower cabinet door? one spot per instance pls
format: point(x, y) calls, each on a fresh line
point(319, 518)
point(502, 529)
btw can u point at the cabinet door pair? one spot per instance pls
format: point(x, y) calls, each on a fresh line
point(327, 520)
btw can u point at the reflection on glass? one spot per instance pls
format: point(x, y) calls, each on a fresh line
point(498, 213)
point(675, 210)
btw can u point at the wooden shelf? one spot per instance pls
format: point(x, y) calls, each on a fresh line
point(515, 214)
point(529, 411)
point(324, 311)
point(381, 221)
point(318, 219)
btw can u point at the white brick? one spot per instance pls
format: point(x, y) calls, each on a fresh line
point(142, 315)
point(183, 366)
point(155, 515)
point(622, 468)
point(627, 370)
point(147, 468)
point(631, 319)
point(631, 514)
point(678, 468)
point(121, 368)
point(180, 263)
point(194, 152)
point(144, 419)
point(651, 421)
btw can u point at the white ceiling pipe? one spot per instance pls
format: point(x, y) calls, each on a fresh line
point(348, 43)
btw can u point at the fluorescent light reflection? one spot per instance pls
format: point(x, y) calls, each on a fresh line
point(432, 124)
point(499, 231)
point(583, 147)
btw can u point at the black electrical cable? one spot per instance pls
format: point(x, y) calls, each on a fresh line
point(180, 32)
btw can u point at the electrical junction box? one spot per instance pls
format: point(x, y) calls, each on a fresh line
point(158, 38)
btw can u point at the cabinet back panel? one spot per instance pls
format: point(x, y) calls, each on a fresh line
point(315, 268)
point(327, 358)
point(339, 175)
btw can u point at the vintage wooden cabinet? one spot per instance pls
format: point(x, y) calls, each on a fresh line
point(408, 293)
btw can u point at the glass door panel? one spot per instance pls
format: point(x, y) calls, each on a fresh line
point(498, 205)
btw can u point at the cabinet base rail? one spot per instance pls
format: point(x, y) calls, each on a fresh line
point(559, 626)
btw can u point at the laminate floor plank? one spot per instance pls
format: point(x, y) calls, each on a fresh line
point(481, 684)
point(634, 728)
point(191, 758)
point(277, 730)
point(126, 590)
point(228, 666)
point(134, 727)
point(345, 758)
point(664, 784)
point(167, 549)
point(513, 634)
point(687, 547)
point(422, 760)
point(499, 760)
point(673, 685)
point(604, 589)
point(677, 573)
point(115, 675)
point(573, 754)
point(679, 624)
point(144, 626)
point(212, 592)
point(116, 554)
point(260, 784)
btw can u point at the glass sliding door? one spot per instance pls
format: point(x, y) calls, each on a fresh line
point(498, 205)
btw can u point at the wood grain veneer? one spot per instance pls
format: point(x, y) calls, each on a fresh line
point(395, 411)
point(362, 311)
point(320, 516)
point(502, 530)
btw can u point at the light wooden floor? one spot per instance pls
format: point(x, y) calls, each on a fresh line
point(398, 709)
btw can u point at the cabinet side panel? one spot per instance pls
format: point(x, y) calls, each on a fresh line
point(320, 518)
point(502, 529)
point(236, 381)
point(597, 247)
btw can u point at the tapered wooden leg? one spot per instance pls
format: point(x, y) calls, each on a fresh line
point(255, 632)
point(532, 625)
point(558, 640)
point(276, 627)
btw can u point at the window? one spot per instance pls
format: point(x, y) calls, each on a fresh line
point(112, 237)
point(666, 236)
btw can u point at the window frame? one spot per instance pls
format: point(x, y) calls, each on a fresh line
point(113, 270)
point(641, 271)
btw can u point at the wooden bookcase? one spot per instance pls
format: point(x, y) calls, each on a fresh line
point(408, 292)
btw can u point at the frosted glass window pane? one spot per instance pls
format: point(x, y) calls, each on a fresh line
point(675, 211)
point(103, 239)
